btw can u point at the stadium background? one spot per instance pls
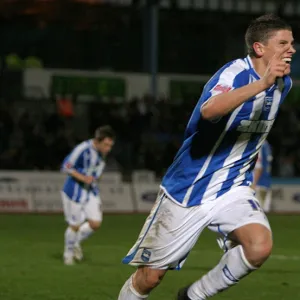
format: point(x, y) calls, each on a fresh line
point(69, 66)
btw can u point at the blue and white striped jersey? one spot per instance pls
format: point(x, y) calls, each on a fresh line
point(264, 162)
point(218, 155)
point(86, 160)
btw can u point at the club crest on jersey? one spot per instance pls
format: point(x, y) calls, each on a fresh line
point(267, 103)
point(261, 126)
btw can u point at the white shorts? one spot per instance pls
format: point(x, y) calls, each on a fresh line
point(77, 213)
point(171, 231)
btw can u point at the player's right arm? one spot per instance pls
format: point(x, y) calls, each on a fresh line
point(223, 103)
point(82, 178)
point(71, 166)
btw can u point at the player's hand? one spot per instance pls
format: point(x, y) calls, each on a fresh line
point(276, 67)
point(88, 179)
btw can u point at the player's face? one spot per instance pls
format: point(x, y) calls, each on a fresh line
point(277, 41)
point(105, 145)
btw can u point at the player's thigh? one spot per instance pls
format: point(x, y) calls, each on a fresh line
point(168, 235)
point(92, 208)
point(73, 211)
point(238, 208)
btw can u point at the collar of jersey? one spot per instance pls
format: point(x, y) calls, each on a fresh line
point(254, 73)
point(251, 67)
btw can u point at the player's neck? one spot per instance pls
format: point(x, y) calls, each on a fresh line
point(259, 66)
point(94, 144)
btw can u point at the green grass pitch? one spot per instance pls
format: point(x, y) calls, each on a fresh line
point(31, 266)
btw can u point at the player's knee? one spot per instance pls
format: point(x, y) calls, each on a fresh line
point(257, 243)
point(258, 250)
point(94, 224)
point(149, 278)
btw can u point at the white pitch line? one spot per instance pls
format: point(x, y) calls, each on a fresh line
point(285, 257)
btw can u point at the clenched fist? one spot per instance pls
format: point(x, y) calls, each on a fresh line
point(277, 67)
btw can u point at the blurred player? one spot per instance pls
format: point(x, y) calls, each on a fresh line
point(208, 183)
point(80, 194)
point(262, 176)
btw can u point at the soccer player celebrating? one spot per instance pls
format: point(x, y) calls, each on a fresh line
point(209, 182)
point(80, 194)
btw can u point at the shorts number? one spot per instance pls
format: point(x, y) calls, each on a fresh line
point(254, 205)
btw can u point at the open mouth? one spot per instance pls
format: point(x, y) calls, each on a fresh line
point(287, 60)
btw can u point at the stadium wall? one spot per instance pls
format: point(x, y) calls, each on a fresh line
point(88, 84)
point(39, 192)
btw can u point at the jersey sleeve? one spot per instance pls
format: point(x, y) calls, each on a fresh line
point(73, 160)
point(230, 77)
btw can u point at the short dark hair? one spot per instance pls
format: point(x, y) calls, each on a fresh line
point(261, 29)
point(104, 132)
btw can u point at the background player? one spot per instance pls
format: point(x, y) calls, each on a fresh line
point(80, 194)
point(208, 184)
point(262, 176)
